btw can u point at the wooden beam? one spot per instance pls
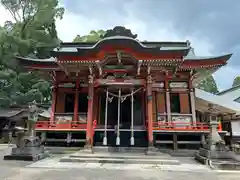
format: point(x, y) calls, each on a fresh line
point(139, 67)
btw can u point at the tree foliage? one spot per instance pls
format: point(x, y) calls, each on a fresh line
point(236, 81)
point(208, 84)
point(93, 36)
point(32, 32)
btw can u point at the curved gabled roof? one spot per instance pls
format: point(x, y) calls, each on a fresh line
point(178, 54)
point(118, 43)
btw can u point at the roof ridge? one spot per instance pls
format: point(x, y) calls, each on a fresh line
point(229, 89)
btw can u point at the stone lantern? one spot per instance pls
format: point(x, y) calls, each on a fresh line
point(28, 146)
point(214, 153)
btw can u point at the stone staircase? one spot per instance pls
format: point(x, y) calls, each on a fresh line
point(120, 155)
point(108, 149)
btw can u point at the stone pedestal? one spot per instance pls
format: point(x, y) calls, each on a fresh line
point(28, 149)
point(215, 153)
point(151, 150)
point(87, 148)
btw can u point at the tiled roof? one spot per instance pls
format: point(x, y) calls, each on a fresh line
point(232, 93)
point(191, 56)
point(7, 113)
point(218, 100)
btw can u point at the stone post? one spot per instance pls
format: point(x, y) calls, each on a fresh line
point(214, 136)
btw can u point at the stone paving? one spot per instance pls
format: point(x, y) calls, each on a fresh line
point(51, 169)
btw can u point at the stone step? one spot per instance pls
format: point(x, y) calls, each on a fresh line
point(34, 157)
point(219, 164)
point(61, 150)
point(225, 164)
point(181, 153)
point(120, 160)
point(120, 156)
point(118, 149)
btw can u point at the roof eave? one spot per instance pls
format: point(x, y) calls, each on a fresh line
point(30, 63)
point(225, 57)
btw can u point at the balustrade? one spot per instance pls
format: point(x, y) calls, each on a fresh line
point(63, 121)
point(186, 125)
point(183, 126)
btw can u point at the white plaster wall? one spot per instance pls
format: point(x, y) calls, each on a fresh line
point(235, 128)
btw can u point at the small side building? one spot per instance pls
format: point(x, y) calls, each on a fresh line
point(14, 119)
point(232, 122)
point(11, 119)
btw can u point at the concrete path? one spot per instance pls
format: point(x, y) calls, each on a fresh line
point(52, 169)
point(54, 163)
point(106, 174)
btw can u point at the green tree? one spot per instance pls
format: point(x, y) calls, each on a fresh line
point(236, 81)
point(208, 84)
point(93, 36)
point(32, 32)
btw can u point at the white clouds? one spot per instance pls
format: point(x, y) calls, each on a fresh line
point(4, 15)
point(225, 77)
point(71, 25)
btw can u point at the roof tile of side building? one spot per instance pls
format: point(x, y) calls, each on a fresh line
point(237, 100)
point(229, 90)
point(218, 100)
point(7, 113)
point(232, 93)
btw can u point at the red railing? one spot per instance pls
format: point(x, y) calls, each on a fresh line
point(166, 126)
point(181, 126)
point(47, 125)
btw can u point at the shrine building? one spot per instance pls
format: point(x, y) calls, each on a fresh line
point(120, 91)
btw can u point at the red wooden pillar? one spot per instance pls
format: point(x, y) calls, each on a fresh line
point(96, 106)
point(144, 109)
point(53, 107)
point(90, 113)
point(168, 105)
point(76, 103)
point(150, 110)
point(192, 100)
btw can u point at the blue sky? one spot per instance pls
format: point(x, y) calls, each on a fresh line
point(213, 27)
